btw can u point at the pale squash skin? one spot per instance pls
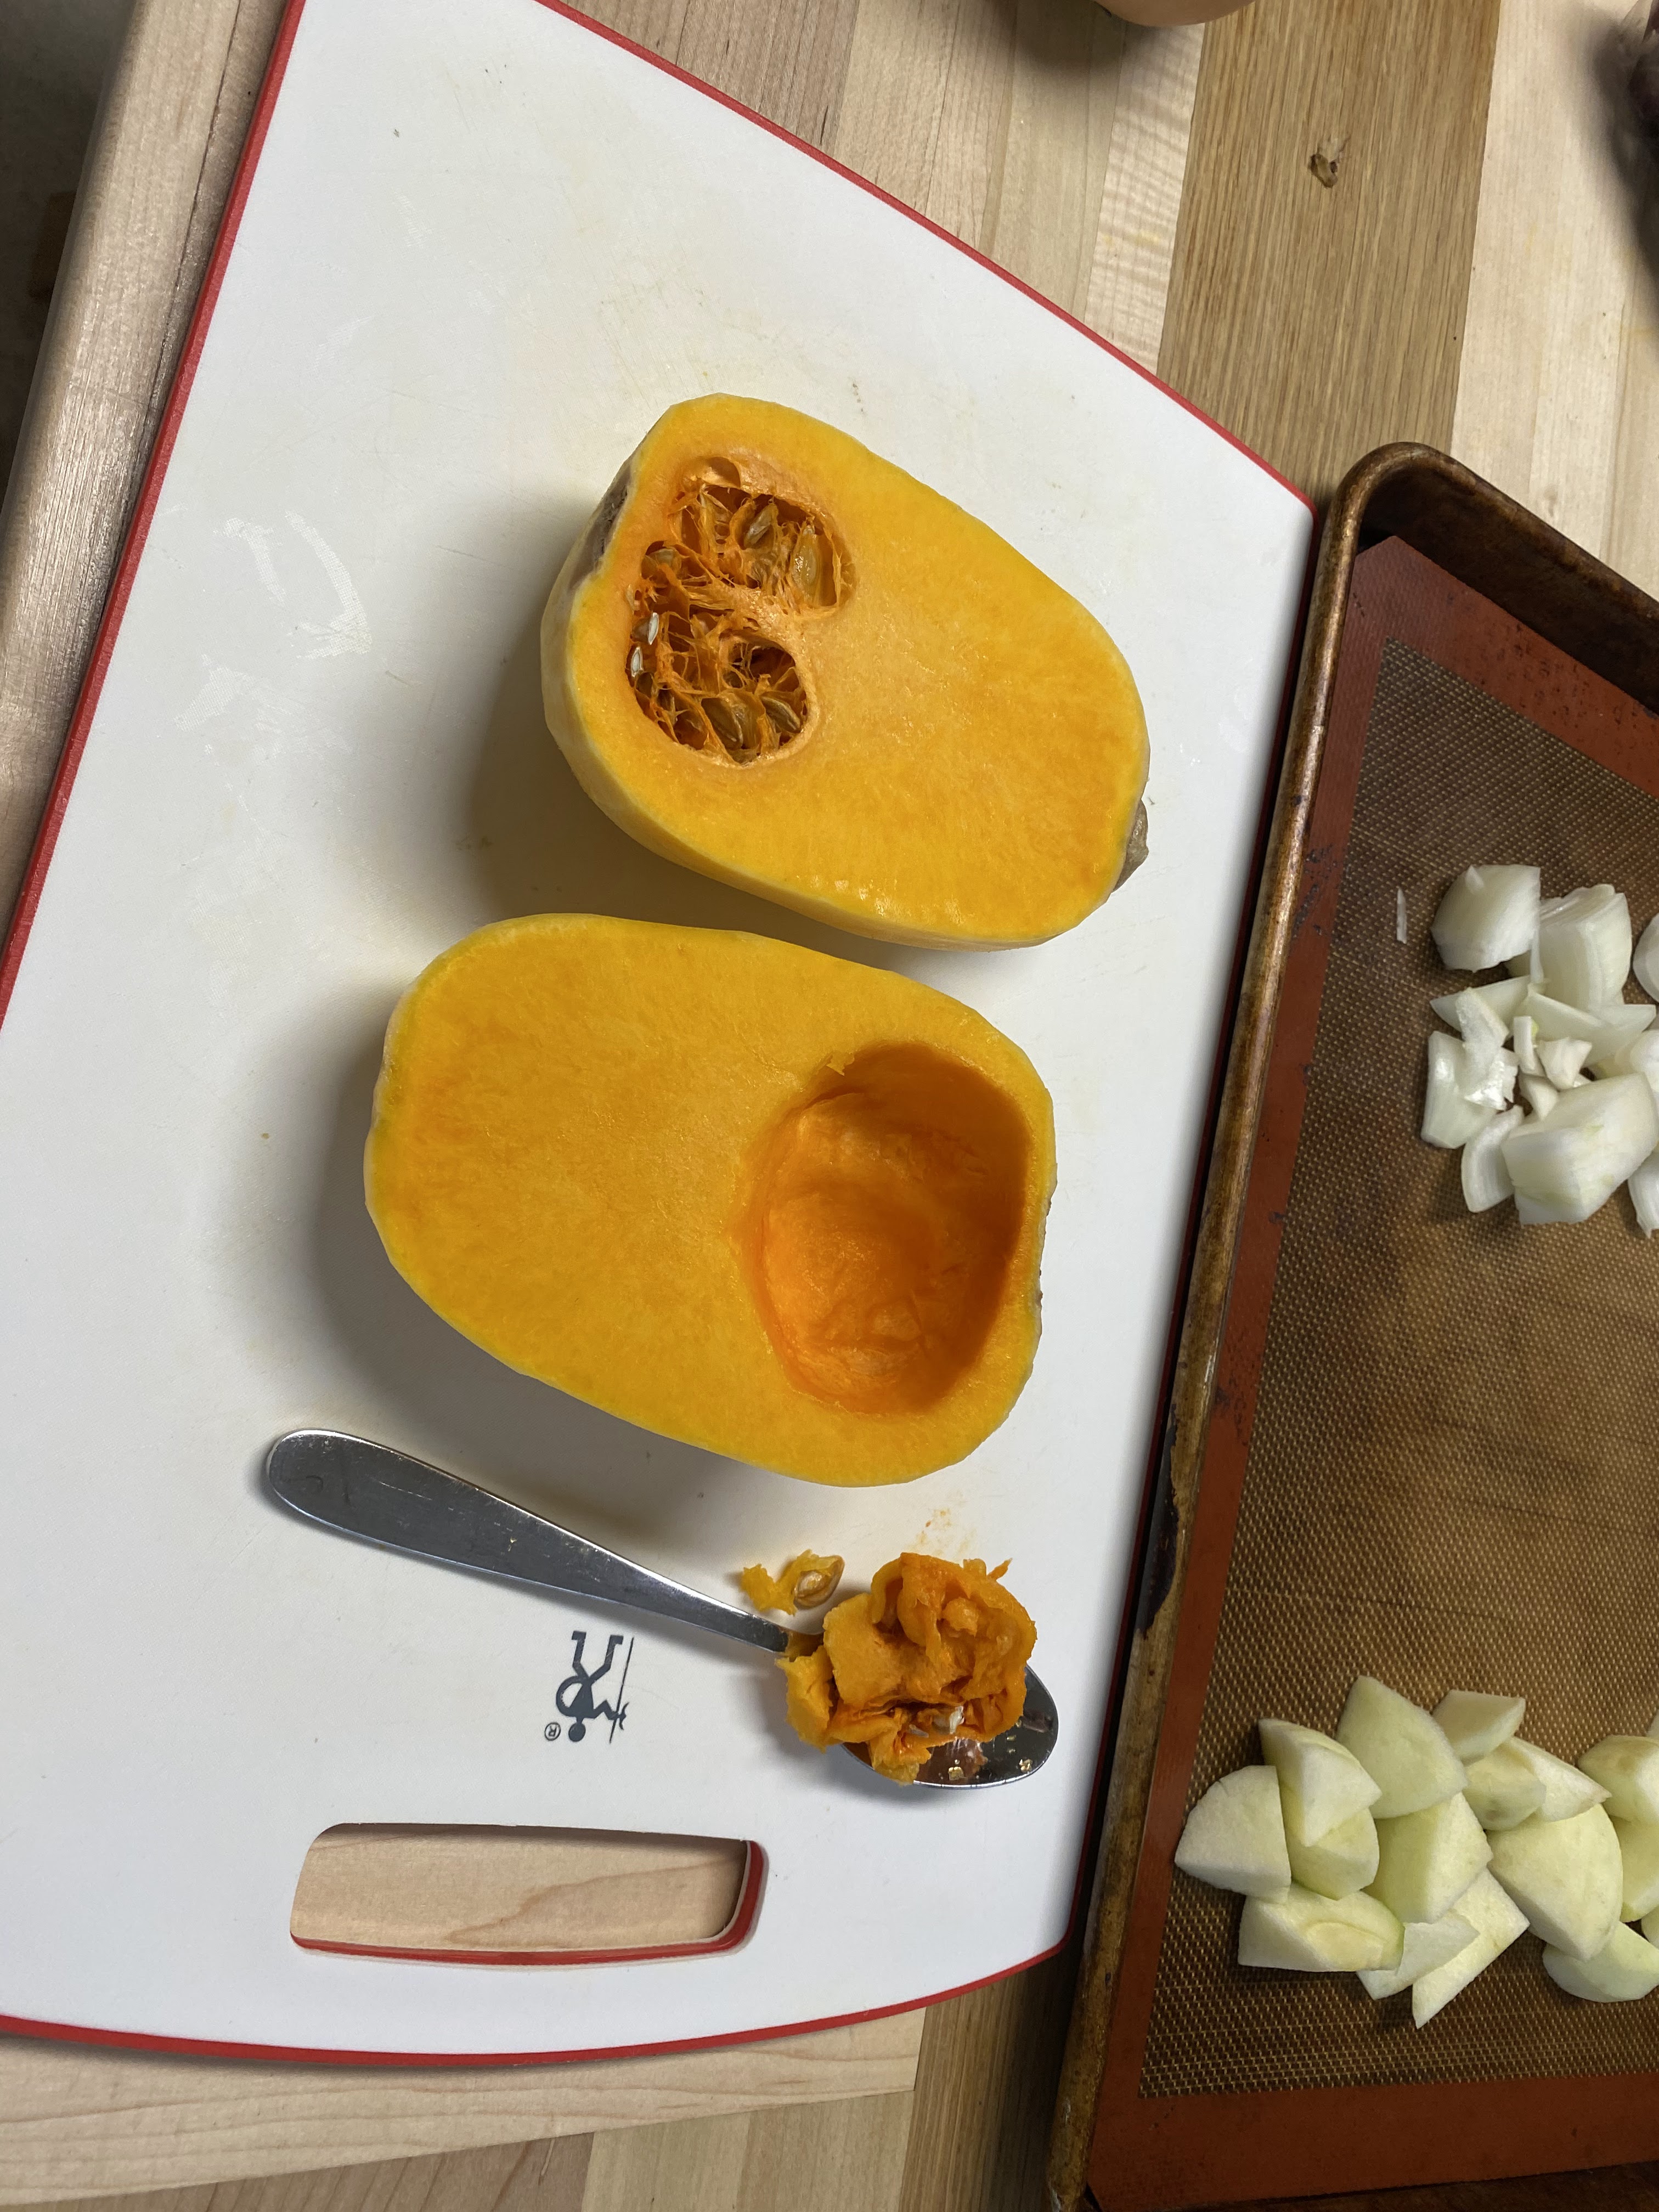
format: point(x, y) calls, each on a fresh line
point(662, 1170)
point(973, 769)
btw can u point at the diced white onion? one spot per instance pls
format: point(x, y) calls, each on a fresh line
point(1646, 962)
point(1400, 915)
point(1609, 1028)
point(1488, 915)
point(1539, 1094)
point(1488, 1076)
point(1584, 945)
point(1475, 1019)
point(1527, 965)
point(1484, 1173)
point(1594, 1138)
point(1526, 1045)
point(1502, 999)
point(1645, 1194)
point(1639, 1057)
point(1449, 1118)
point(1562, 1059)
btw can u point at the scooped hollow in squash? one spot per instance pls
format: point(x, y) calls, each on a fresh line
point(778, 658)
point(769, 1202)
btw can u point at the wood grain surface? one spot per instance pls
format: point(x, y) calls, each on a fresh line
point(80, 2123)
point(514, 1890)
point(174, 114)
point(1559, 400)
point(1322, 263)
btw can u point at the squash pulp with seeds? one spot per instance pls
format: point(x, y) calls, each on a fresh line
point(766, 1201)
point(777, 658)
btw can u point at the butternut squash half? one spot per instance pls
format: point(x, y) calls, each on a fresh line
point(766, 1201)
point(782, 661)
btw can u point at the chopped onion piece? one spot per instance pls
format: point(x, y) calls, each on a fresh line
point(1584, 945)
point(1488, 1078)
point(1502, 1000)
point(1564, 1168)
point(1526, 966)
point(1487, 917)
point(1646, 962)
point(1562, 1059)
point(1400, 915)
point(1486, 1174)
point(1609, 1028)
point(1645, 1196)
point(1539, 1094)
point(1639, 1057)
point(1449, 1118)
point(1526, 1045)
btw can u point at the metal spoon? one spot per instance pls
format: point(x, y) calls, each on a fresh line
point(368, 1490)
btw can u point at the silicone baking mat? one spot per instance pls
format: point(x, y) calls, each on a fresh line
point(1431, 1430)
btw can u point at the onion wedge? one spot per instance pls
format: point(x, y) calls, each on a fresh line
point(1485, 1172)
point(1584, 945)
point(1645, 1194)
point(1488, 916)
point(1609, 1028)
point(1646, 962)
point(1563, 1169)
point(1449, 1118)
point(1562, 1059)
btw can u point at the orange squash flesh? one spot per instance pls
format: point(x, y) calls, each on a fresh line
point(777, 658)
point(771, 1203)
point(809, 1580)
point(935, 1654)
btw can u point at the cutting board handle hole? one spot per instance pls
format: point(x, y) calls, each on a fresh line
point(524, 1896)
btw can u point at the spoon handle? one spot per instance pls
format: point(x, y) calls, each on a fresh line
point(368, 1490)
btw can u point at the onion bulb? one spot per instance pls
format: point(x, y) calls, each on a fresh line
point(1539, 1094)
point(1488, 916)
point(1566, 1167)
point(1526, 1045)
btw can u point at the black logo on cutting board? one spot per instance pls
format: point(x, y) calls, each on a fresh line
point(576, 1696)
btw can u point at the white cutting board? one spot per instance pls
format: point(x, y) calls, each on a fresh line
point(483, 247)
